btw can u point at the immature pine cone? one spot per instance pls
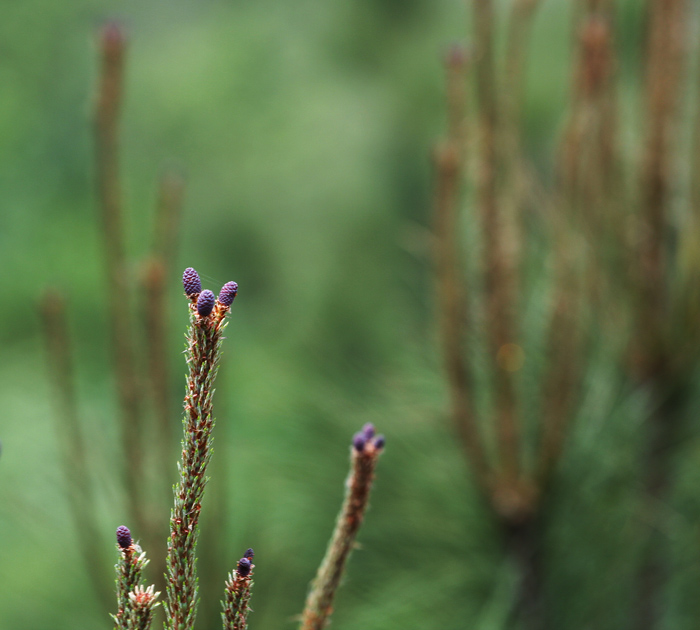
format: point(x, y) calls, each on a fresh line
point(191, 282)
point(249, 554)
point(244, 567)
point(368, 430)
point(358, 441)
point(228, 293)
point(123, 537)
point(205, 303)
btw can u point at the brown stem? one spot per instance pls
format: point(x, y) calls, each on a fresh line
point(518, 43)
point(563, 365)
point(665, 63)
point(452, 308)
point(319, 603)
point(501, 244)
point(70, 437)
point(160, 269)
point(453, 317)
point(588, 175)
point(107, 110)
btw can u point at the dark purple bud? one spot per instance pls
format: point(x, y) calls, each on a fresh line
point(358, 441)
point(205, 302)
point(228, 293)
point(249, 554)
point(123, 537)
point(191, 282)
point(379, 442)
point(368, 431)
point(244, 565)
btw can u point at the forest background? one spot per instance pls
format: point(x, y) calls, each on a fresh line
point(303, 133)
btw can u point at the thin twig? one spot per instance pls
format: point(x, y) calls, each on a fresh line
point(319, 603)
point(501, 244)
point(70, 437)
point(453, 316)
point(238, 587)
point(135, 603)
point(107, 111)
point(665, 63)
point(452, 309)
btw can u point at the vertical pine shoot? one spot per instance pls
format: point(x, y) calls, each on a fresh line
point(366, 448)
point(237, 594)
point(135, 604)
point(205, 335)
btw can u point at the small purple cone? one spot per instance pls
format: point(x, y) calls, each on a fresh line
point(358, 441)
point(228, 293)
point(123, 537)
point(368, 431)
point(205, 302)
point(379, 442)
point(249, 554)
point(244, 567)
point(191, 282)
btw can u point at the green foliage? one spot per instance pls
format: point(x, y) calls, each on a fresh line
point(304, 130)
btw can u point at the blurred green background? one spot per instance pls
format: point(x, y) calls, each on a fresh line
point(303, 129)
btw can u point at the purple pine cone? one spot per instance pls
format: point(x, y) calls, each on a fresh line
point(379, 442)
point(249, 554)
point(205, 302)
point(368, 431)
point(228, 293)
point(191, 282)
point(358, 441)
point(123, 537)
point(244, 565)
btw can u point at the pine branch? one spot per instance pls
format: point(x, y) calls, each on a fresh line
point(237, 595)
point(319, 603)
point(135, 604)
point(207, 324)
point(142, 603)
point(107, 115)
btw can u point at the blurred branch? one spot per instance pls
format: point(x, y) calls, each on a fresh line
point(666, 48)
point(450, 281)
point(518, 38)
point(589, 147)
point(159, 270)
point(501, 243)
point(665, 63)
point(72, 444)
point(109, 97)
point(561, 380)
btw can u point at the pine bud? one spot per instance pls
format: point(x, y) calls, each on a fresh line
point(205, 303)
point(379, 442)
point(228, 293)
point(358, 441)
point(123, 537)
point(368, 431)
point(191, 282)
point(249, 554)
point(244, 565)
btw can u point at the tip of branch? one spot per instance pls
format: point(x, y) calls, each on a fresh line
point(124, 537)
point(456, 57)
point(112, 38)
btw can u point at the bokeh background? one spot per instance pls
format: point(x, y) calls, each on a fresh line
point(303, 130)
